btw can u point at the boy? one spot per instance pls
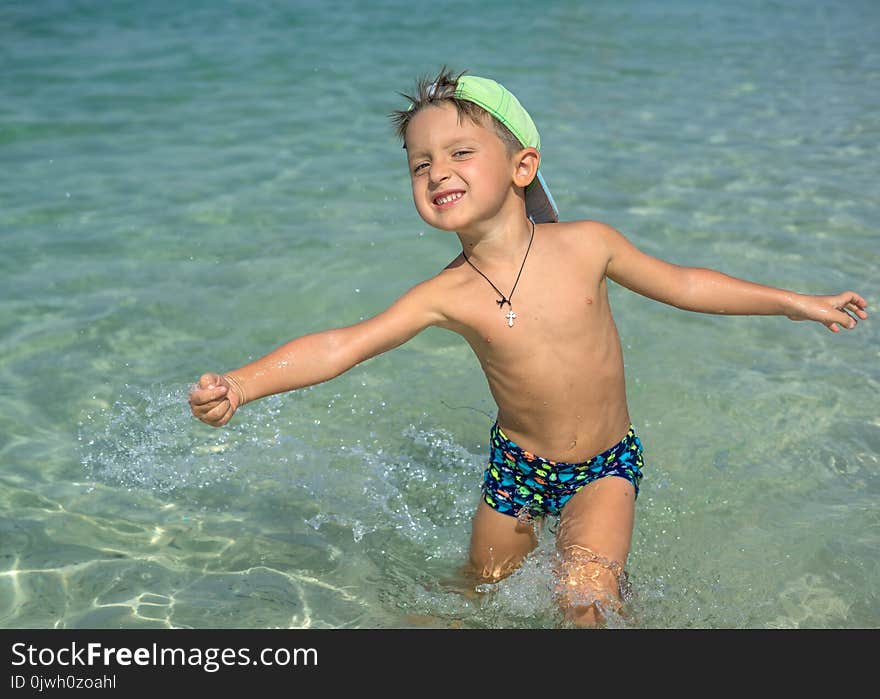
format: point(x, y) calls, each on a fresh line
point(529, 294)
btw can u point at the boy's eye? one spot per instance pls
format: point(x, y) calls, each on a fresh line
point(461, 153)
point(419, 167)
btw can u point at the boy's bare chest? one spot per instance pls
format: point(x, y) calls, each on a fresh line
point(556, 303)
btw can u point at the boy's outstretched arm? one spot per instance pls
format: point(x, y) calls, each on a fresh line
point(314, 358)
point(709, 291)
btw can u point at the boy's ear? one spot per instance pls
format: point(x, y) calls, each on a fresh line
point(526, 166)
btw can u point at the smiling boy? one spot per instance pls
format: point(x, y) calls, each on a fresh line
point(529, 295)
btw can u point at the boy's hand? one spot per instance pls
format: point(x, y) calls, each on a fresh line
point(834, 312)
point(214, 400)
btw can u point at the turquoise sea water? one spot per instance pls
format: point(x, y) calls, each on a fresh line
point(183, 187)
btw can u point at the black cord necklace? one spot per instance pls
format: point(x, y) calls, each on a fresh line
point(505, 299)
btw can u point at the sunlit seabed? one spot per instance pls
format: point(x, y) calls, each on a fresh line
point(189, 527)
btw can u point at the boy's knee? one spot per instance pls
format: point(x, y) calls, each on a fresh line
point(490, 567)
point(499, 543)
point(589, 586)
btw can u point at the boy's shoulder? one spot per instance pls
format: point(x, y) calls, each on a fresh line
point(580, 237)
point(435, 288)
point(581, 227)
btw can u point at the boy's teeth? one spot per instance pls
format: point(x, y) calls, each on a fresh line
point(448, 198)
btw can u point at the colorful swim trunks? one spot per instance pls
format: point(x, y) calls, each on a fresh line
point(517, 481)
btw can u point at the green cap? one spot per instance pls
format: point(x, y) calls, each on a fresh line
point(505, 107)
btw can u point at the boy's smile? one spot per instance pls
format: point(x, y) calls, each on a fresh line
point(446, 199)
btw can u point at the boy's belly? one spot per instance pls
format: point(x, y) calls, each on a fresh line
point(566, 428)
point(562, 408)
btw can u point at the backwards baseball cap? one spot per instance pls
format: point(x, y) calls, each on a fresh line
point(505, 107)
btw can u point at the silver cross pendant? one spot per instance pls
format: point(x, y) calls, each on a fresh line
point(510, 316)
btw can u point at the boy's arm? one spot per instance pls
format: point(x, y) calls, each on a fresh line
point(316, 357)
point(709, 291)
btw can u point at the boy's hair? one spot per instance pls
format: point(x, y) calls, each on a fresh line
point(435, 91)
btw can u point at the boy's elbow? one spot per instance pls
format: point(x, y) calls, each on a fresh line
point(338, 353)
point(343, 350)
point(686, 288)
point(674, 288)
point(701, 290)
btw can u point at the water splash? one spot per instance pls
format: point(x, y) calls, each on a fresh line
point(148, 439)
point(422, 491)
point(530, 596)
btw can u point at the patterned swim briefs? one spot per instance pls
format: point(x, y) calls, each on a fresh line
point(516, 480)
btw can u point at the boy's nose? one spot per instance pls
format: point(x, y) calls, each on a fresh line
point(438, 173)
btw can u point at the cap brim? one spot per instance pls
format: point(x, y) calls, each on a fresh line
point(540, 206)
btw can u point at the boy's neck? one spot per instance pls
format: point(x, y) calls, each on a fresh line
point(499, 241)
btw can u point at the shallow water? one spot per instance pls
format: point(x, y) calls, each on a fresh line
point(183, 190)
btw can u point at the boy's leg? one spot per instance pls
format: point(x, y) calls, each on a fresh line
point(498, 544)
point(593, 540)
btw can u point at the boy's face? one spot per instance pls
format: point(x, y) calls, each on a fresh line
point(461, 172)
